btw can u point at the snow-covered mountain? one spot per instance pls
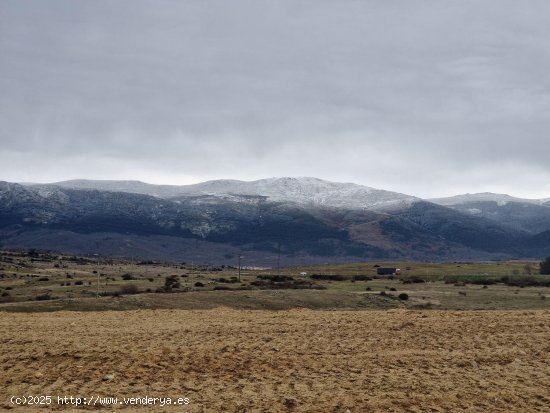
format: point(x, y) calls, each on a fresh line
point(134, 187)
point(531, 215)
point(306, 191)
point(300, 190)
point(305, 217)
point(500, 199)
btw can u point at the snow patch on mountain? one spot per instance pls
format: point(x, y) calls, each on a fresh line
point(500, 199)
point(306, 191)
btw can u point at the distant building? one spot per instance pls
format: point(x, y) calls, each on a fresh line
point(388, 271)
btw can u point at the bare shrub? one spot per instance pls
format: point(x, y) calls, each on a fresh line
point(129, 289)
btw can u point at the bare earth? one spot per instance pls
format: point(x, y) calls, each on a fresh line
point(287, 361)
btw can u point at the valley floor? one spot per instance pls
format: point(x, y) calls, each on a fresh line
point(227, 360)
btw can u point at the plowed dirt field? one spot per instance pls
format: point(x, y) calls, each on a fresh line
point(226, 360)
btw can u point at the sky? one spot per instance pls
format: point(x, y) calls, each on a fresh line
point(426, 97)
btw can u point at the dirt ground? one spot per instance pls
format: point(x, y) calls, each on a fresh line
point(226, 360)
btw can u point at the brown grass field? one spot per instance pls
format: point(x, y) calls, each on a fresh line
point(227, 360)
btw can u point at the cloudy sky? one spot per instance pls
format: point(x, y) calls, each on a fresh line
point(424, 97)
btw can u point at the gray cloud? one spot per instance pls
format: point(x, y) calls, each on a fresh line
point(426, 97)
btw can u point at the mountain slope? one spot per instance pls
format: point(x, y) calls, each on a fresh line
point(135, 187)
point(475, 232)
point(500, 199)
point(307, 218)
point(302, 191)
point(306, 191)
point(251, 223)
point(529, 215)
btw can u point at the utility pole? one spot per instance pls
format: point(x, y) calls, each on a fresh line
point(97, 257)
point(240, 256)
point(279, 259)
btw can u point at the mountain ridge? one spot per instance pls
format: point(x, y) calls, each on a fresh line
point(483, 197)
point(148, 188)
point(302, 190)
point(305, 217)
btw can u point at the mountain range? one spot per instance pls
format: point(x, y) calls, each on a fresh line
point(296, 220)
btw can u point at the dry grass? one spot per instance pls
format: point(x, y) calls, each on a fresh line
point(71, 284)
point(298, 360)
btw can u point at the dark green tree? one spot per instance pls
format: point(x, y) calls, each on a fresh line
point(545, 266)
point(171, 282)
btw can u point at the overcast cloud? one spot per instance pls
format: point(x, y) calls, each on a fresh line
point(429, 98)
